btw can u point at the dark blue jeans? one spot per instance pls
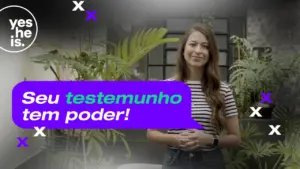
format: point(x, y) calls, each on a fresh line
point(178, 159)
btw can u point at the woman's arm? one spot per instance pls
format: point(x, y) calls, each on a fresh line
point(163, 138)
point(232, 126)
point(232, 137)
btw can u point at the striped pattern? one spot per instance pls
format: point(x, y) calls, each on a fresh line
point(202, 112)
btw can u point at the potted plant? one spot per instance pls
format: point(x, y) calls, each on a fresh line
point(253, 74)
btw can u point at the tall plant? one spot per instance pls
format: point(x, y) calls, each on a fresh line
point(115, 64)
point(252, 74)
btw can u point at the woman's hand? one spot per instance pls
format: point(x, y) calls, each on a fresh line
point(194, 138)
point(181, 140)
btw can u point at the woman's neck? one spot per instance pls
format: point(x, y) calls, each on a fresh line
point(195, 74)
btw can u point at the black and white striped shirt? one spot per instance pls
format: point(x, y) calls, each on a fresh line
point(201, 111)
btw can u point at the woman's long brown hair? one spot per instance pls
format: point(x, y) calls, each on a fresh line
point(210, 82)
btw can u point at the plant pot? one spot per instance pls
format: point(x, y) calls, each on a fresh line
point(266, 111)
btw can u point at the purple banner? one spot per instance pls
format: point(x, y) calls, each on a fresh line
point(102, 105)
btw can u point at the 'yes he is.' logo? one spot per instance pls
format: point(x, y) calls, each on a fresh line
point(17, 26)
point(23, 30)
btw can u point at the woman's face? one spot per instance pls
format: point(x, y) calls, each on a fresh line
point(196, 50)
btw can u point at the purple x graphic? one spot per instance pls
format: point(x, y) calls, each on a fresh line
point(91, 15)
point(22, 142)
point(266, 97)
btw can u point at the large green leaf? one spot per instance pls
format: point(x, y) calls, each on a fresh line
point(133, 49)
point(250, 131)
point(258, 148)
point(290, 149)
point(235, 159)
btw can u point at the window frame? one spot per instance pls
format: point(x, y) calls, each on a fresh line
point(164, 65)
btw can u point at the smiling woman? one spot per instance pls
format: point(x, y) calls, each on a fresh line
point(213, 106)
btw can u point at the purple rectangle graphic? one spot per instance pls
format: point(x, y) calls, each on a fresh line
point(102, 105)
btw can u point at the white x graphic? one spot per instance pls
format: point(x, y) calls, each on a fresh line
point(274, 130)
point(39, 131)
point(78, 5)
point(255, 112)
